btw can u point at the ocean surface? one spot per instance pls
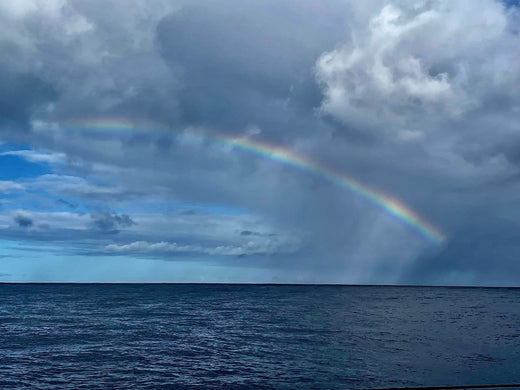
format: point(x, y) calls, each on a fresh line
point(253, 336)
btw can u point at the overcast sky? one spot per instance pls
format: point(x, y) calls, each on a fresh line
point(211, 141)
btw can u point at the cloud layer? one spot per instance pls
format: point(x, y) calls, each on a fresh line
point(419, 101)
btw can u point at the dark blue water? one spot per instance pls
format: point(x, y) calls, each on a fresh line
point(232, 336)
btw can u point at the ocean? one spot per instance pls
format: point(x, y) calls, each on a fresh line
point(175, 336)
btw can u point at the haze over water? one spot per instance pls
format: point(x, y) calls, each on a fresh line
point(256, 336)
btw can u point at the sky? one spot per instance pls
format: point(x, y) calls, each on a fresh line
point(336, 141)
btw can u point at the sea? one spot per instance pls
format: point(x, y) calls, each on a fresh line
point(214, 336)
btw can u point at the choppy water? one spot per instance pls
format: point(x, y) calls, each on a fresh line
point(234, 336)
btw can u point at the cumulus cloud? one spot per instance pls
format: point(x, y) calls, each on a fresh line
point(375, 72)
point(411, 61)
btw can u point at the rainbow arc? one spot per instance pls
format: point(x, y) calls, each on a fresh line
point(276, 153)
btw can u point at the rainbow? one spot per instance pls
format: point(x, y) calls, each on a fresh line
point(281, 155)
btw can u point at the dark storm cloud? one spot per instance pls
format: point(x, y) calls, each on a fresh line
point(20, 95)
point(89, 58)
point(486, 251)
point(246, 64)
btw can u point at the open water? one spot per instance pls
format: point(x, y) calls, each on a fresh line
point(253, 336)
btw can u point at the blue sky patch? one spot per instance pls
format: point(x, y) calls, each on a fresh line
point(16, 167)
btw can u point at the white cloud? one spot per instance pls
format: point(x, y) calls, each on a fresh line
point(414, 60)
point(37, 157)
point(21, 8)
point(62, 185)
point(10, 186)
point(249, 248)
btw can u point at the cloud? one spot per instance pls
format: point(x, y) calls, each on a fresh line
point(68, 204)
point(417, 101)
point(43, 221)
point(10, 186)
point(21, 93)
point(103, 232)
point(250, 248)
point(110, 223)
point(482, 252)
point(387, 78)
point(22, 8)
point(261, 61)
point(75, 186)
point(36, 157)
point(90, 60)
point(23, 221)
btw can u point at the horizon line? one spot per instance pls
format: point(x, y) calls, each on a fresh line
point(275, 284)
